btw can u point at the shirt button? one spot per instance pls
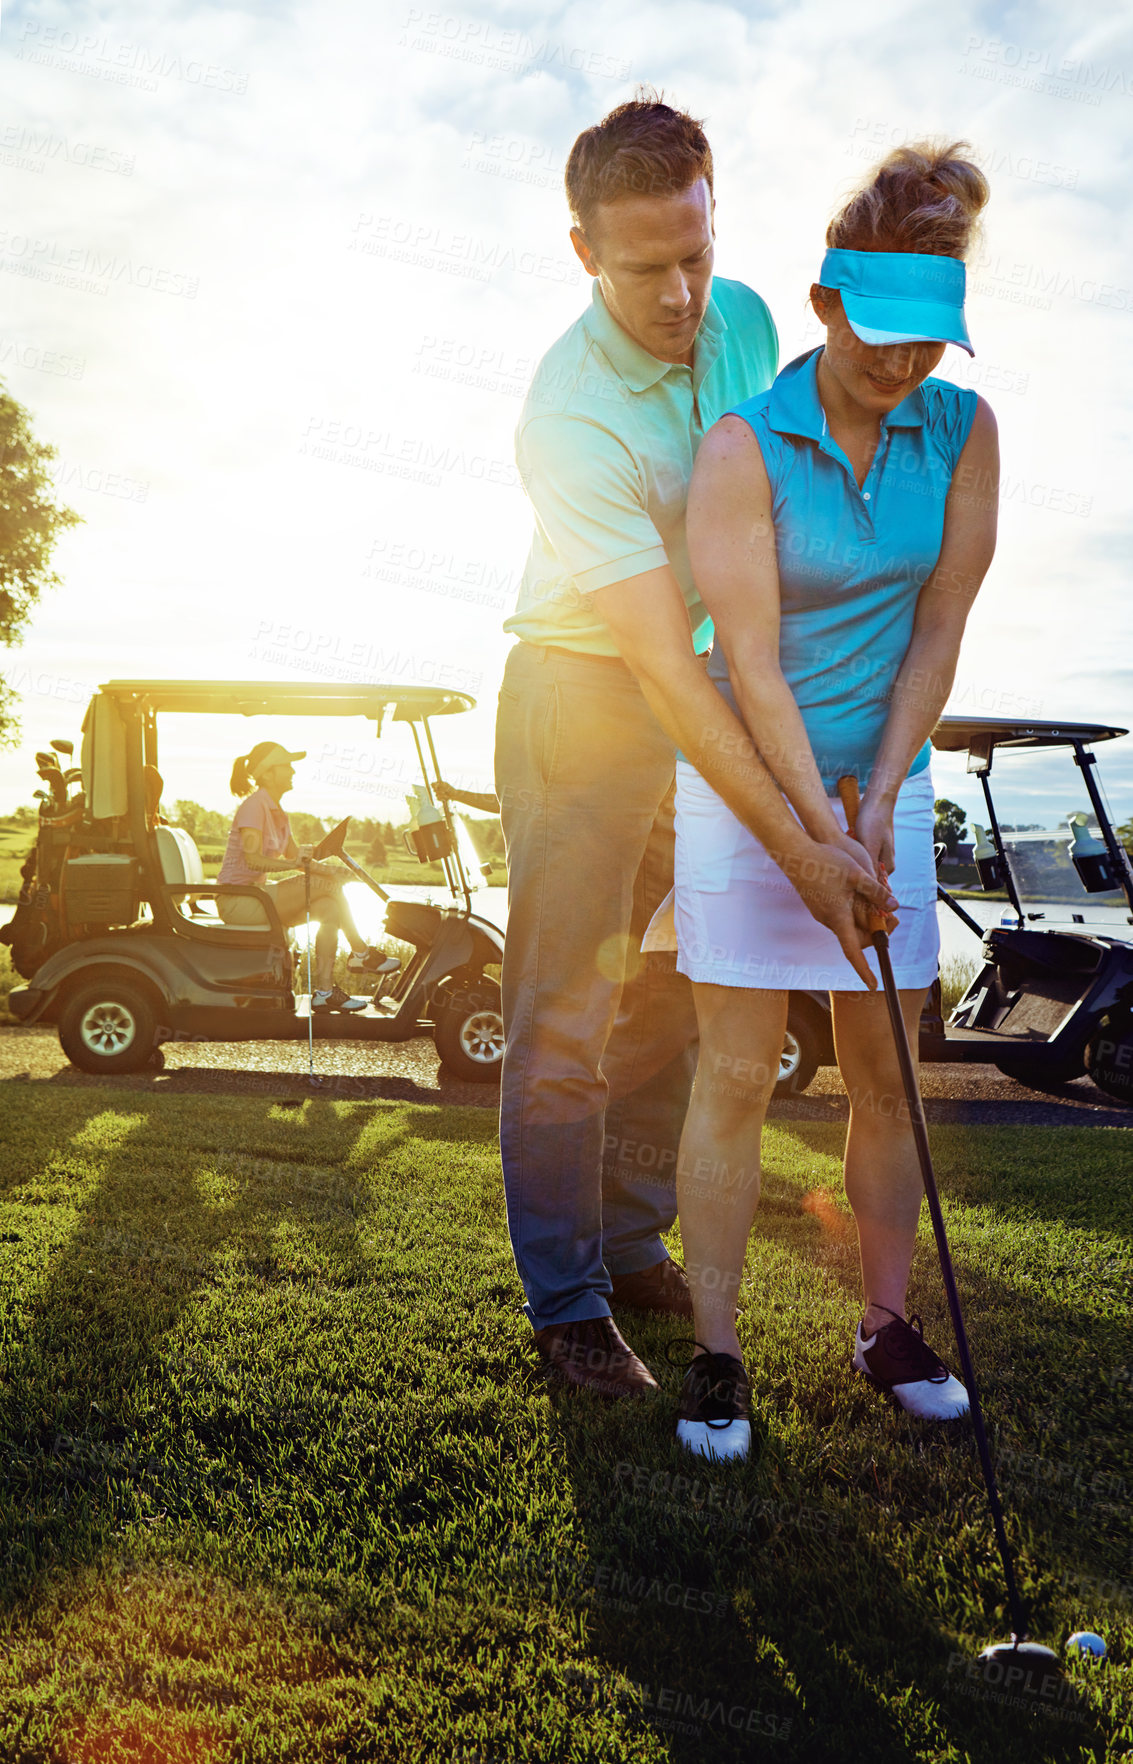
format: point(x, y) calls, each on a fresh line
point(865, 495)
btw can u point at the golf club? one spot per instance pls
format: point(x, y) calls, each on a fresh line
point(311, 1079)
point(1020, 1649)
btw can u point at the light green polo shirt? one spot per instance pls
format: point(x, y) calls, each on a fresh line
point(605, 446)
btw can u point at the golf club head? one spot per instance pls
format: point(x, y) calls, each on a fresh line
point(1024, 1656)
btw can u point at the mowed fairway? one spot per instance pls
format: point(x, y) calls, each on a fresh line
point(281, 1481)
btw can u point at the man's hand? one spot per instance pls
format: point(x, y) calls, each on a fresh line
point(840, 893)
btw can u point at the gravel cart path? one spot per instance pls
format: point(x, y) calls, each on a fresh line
point(408, 1071)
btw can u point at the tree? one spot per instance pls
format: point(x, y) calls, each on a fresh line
point(30, 522)
point(205, 826)
point(188, 815)
point(306, 829)
point(951, 824)
point(1125, 834)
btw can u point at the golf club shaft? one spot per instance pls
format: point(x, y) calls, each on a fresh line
point(848, 791)
point(310, 994)
point(928, 1177)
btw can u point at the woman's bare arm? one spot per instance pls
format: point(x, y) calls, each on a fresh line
point(731, 540)
point(252, 840)
point(925, 677)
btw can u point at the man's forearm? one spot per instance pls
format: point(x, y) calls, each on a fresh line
point(710, 735)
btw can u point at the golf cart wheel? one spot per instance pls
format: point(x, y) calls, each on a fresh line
point(1109, 1061)
point(469, 1031)
point(108, 1026)
point(1037, 1077)
point(798, 1062)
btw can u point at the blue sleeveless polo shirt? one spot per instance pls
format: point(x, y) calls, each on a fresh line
point(851, 561)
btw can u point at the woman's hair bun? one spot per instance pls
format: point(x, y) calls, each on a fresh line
point(925, 196)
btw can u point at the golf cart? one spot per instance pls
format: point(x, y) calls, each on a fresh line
point(1054, 995)
point(117, 931)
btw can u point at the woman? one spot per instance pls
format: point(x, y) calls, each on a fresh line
point(260, 845)
point(839, 526)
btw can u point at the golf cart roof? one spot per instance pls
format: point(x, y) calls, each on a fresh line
point(281, 698)
point(962, 734)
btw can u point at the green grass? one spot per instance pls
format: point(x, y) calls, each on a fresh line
point(280, 1480)
point(956, 975)
point(15, 843)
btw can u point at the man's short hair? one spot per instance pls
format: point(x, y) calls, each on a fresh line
point(643, 148)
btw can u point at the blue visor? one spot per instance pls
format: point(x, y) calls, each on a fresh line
point(900, 296)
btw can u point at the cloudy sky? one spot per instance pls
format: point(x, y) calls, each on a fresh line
point(273, 279)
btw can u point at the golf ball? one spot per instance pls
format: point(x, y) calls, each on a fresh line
point(1084, 1641)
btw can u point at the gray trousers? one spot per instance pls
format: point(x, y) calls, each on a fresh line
point(601, 1041)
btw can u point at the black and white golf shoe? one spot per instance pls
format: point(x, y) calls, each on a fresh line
point(898, 1360)
point(336, 1000)
point(715, 1412)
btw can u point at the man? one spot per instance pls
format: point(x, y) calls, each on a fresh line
point(603, 685)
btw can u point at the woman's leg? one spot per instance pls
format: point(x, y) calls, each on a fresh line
point(346, 925)
point(329, 910)
point(741, 1038)
point(882, 1175)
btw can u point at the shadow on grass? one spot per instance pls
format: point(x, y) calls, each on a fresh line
point(842, 1581)
point(237, 1080)
point(88, 1386)
point(825, 1585)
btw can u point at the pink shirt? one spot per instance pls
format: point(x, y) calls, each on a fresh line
point(261, 811)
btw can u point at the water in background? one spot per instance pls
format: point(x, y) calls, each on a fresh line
point(956, 941)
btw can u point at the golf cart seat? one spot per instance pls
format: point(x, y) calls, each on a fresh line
point(181, 867)
point(181, 864)
point(180, 859)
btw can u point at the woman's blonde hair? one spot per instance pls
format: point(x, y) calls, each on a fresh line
point(243, 780)
point(925, 196)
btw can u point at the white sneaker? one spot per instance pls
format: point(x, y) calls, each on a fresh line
point(715, 1408)
point(898, 1359)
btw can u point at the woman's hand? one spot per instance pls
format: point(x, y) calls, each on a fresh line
point(854, 848)
point(874, 830)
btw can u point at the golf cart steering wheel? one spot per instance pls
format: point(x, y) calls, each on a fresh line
point(332, 844)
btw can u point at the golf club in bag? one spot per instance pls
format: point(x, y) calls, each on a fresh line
point(1020, 1649)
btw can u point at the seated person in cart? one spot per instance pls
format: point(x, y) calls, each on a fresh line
point(260, 844)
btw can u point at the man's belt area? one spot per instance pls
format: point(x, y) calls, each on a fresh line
point(588, 655)
point(608, 661)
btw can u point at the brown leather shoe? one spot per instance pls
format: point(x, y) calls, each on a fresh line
point(591, 1355)
point(664, 1287)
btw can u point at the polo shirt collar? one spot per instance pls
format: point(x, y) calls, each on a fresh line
point(634, 365)
point(794, 407)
